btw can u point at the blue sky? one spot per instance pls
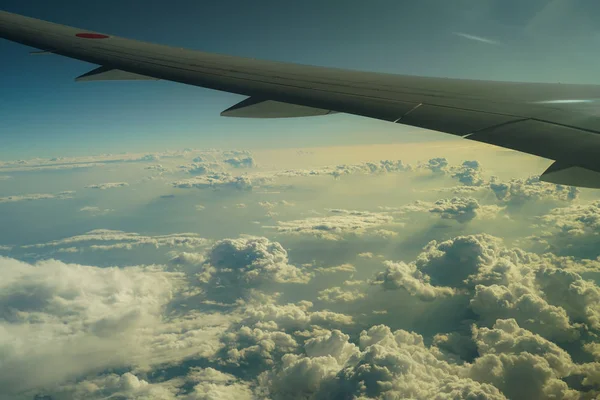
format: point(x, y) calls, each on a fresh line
point(47, 114)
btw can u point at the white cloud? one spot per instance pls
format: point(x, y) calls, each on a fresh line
point(74, 319)
point(463, 209)
point(233, 266)
point(511, 355)
point(93, 210)
point(106, 239)
point(338, 223)
point(38, 196)
point(222, 180)
point(338, 295)
point(519, 191)
point(241, 162)
point(408, 277)
point(110, 185)
point(344, 268)
point(476, 38)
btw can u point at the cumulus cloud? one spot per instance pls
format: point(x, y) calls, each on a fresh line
point(110, 185)
point(513, 192)
point(213, 176)
point(199, 383)
point(519, 191)
point(511, 355)
point(408, 277)
point(386, 364)
point(200, 168)
point(520, 303)
point(463, 209)
point(268, 332)
point(339, 295)
point(347, 268)
point(332, 227)
point(74, 319)
point(223, 180)
point(233, 266)
point(571, 230)
point(437, 165)
point(469, 173)
point(240, 162)
point(149, 332)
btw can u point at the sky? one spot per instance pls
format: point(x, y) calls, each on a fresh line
point(152, 250)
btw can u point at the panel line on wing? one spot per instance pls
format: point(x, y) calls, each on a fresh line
point(495, 126)
point(409, 111)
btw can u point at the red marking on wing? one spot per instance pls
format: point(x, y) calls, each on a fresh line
point(91, 35)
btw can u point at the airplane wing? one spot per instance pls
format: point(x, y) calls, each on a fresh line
point(556, 121)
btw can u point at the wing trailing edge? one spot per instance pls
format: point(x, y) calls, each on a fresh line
point(254, 107)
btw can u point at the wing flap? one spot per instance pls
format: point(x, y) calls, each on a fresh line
point(259, 108)
point(565, 174)
point(111, 74)
point(569, 145)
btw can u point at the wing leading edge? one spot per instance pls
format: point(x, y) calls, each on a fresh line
point(555, 121)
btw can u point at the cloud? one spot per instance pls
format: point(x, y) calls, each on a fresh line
point(75, 319)
point(511, 355)
point(104, 186)
point(214, 177)
point(469, 173)
point(437, 165)
point(338, 295)
point(475, 38)
point(544, 294)
point(200, 168)
point(234, 266)
point(240, 162)
point(220, 180)
point(572, 230)
point(199, 383)
point(518, 302)
point(519, 191)
point(31, 197)
point(271, 205)
point(64, 163)
point(514, 192)
point(106, 239)
point(386, 364)
point(347, 268)
point(340, 222)
point(299, 376)
point(463, 209)
point(408, 277)
point(268, 332)
point(92, 210)
point(251, 317)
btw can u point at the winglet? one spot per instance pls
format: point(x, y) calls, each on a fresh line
point(110, 74)
point(254, 107)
